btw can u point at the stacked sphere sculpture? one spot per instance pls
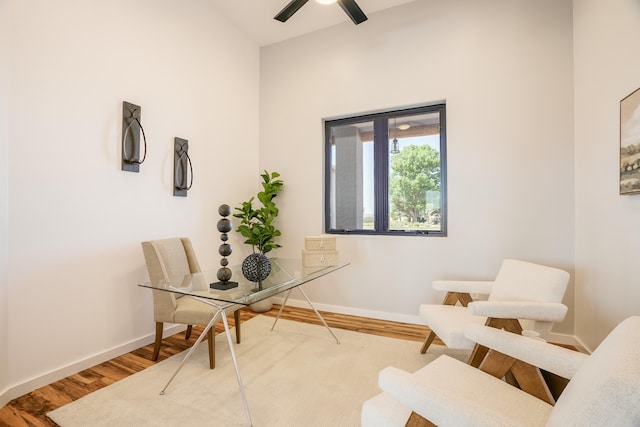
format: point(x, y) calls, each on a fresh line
point(224, 273)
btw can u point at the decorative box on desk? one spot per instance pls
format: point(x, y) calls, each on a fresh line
point(319, 251)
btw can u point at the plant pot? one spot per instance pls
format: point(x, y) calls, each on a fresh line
point(256, 268)
point(262, 306)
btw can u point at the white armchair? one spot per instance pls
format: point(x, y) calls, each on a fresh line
point(604, 388)
point(523, 296)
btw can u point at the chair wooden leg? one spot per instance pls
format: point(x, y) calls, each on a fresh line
point(479, 352)
point(416, 420)
point(212, 348)
point(465, 299)
point(477, 355)
point(528, 377)
point(427, 343)
point(452, 298)
point(187, 334)
point(510, 325)
point(497, 364)
point(158, 342)
point(236, 317)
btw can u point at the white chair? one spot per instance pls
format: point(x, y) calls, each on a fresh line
point(523, 296)
point(169, 261)
point(604, 388)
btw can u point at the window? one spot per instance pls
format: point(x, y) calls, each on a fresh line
point(385, 173)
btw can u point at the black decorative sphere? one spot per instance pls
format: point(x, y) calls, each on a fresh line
point(224, 210)
point(224, 249)
point(224, 237)
point(224, 262)
point(256, 267)
point(224, 225)
point(224, 274)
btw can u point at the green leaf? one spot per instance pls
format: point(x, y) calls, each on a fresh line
point(256, 224)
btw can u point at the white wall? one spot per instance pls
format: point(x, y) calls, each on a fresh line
point(75, 219)
point(70, 259)
point(607, 68)
point(4, 189)
point(505, 71)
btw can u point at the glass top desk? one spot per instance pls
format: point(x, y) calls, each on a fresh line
point(286, 274)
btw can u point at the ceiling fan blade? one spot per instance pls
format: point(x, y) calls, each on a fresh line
point(289, 10)
point(352, 9)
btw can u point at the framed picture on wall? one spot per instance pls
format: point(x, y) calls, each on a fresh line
point(630, 144)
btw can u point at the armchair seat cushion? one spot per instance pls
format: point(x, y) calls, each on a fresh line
point(449, 322)
point(481, 400)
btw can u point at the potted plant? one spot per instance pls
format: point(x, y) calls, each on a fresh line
point(256, 226)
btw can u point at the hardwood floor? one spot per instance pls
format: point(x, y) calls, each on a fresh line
point(31, 409)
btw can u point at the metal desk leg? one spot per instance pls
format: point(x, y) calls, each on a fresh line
point(310, 304)
point(235, 364)
point(281, 308)
point(194, 346)
point(318, 313)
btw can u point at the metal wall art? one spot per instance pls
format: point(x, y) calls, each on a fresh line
point(131, 128)
point(182, 168)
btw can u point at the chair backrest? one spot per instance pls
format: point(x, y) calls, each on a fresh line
point(606, 389)
point(525, 281)
point(168, 260)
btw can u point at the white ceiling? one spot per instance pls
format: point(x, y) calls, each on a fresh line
point(255, 17)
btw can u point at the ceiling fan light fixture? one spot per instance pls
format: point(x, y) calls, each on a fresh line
point(404, 126)
point(350, 7)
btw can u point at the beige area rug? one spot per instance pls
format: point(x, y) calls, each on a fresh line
point(295, 375)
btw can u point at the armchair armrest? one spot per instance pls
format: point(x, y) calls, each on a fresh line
point(449, 392)
point(426, 399)
point(558, 360)
point(541, 311)
point(468, 286)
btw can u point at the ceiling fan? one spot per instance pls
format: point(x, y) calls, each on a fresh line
point(350, 7)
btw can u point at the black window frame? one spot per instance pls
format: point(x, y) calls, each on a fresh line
point(381, 170)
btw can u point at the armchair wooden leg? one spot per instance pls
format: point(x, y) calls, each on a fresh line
point(510, 325)
point(416, 420)
point(528, 377)
point(187, 334)
point(497, 364)
point(479, 352)
point(427, 343)
point(158, 342)
point(452, 298)
point(477, 355)
point(236, 317)
point(212, 348)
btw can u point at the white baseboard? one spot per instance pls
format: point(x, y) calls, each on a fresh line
point(583, 348)
point(5, 397)
point(57, 374)
point(406, 318)
point(373, 314)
